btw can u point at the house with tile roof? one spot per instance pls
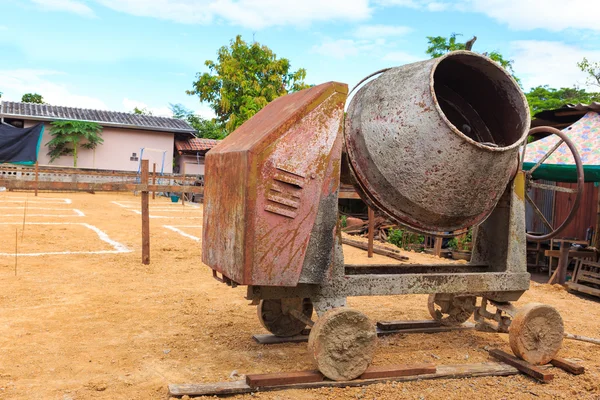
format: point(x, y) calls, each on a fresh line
point(191, 152)
point(124, 134)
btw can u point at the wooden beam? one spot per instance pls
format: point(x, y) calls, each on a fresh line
point(377, 250)
point(96, 187)
point(398, 370)
point(371, 232)
point(145, 217)
point(283, 378)
point(153, 180)
point(523, 366)
point(437, 247)
point(568, 366)
point(443, 372)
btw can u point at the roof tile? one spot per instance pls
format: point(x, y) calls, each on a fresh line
point(49, 112)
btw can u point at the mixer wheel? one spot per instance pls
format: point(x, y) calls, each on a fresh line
point(342, 343)
point(536, 333)
point(449, 309)
point(275, 316)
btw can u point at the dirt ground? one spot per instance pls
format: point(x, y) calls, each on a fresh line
point(94, 323)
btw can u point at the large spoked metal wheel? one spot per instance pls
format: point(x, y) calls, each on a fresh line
point(342, 343)
point(451, 310)
point(536, 333)
point(530, 183)
point(275, 315)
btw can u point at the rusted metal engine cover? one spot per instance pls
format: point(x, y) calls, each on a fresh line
point(268, 185)
point(434, 144)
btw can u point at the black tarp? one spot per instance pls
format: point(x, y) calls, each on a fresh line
point(20, 145)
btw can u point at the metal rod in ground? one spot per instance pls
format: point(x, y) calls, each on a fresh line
point(24, 215)
point(145, 216)
point(16, 248)
point(371, 232)
point(582, 338)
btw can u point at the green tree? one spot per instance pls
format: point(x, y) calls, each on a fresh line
point(546, 98)
point(141, 111)
point(244, 79)
point(592, 69)
point(440, 45)
point(32, 98)
point(68, 136)
point(205, 128)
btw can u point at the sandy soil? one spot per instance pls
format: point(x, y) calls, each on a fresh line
point(104, 326)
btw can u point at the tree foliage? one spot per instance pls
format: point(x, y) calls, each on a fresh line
point(141, 111)
point(546, 98)
point(68, 136)
point(205, 128)
point(440, 45)
point(244, 79)
point(32, 98)
point(592, 69)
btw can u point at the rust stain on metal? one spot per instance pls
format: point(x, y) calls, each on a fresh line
point(264, 183)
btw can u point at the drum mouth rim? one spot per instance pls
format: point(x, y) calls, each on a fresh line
point(453, 128)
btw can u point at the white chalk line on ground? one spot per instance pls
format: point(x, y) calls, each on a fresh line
point(165, 216)
point(118, 247)
point(34, 200)
point(182, 233)
point(76, 213)
point(158, 204)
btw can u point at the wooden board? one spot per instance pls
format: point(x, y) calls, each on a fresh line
point(523, 366)
point(272, 339)
point(443, 372)
point(568, 366)
point(376, 249)
point(395, 325)
point(583, 288)
point(398, 370)
point(283, 378)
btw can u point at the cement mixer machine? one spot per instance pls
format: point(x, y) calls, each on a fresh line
point(409, 137)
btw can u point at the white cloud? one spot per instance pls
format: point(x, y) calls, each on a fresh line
point(552, 15)
point(429, 5)
point(17, 82)
point(402, 57)
point(254, 14)
point(73, 6)
point(3, 28)
point(380, 31)
point(549, 63)
point(342, 48)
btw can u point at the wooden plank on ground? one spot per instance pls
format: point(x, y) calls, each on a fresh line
point(568, 366)
point(283, 378)
point(395, 325)
point(398, 370)
point(272, 339)
point(376, 249)
point(583, 288)
point(523, 366)
point(443, 372)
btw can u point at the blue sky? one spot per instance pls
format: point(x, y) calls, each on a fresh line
point(118, 54)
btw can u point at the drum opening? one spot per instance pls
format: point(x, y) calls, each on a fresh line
point(481, 100)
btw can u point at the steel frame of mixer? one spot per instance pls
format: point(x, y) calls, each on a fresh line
point(498, 268)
